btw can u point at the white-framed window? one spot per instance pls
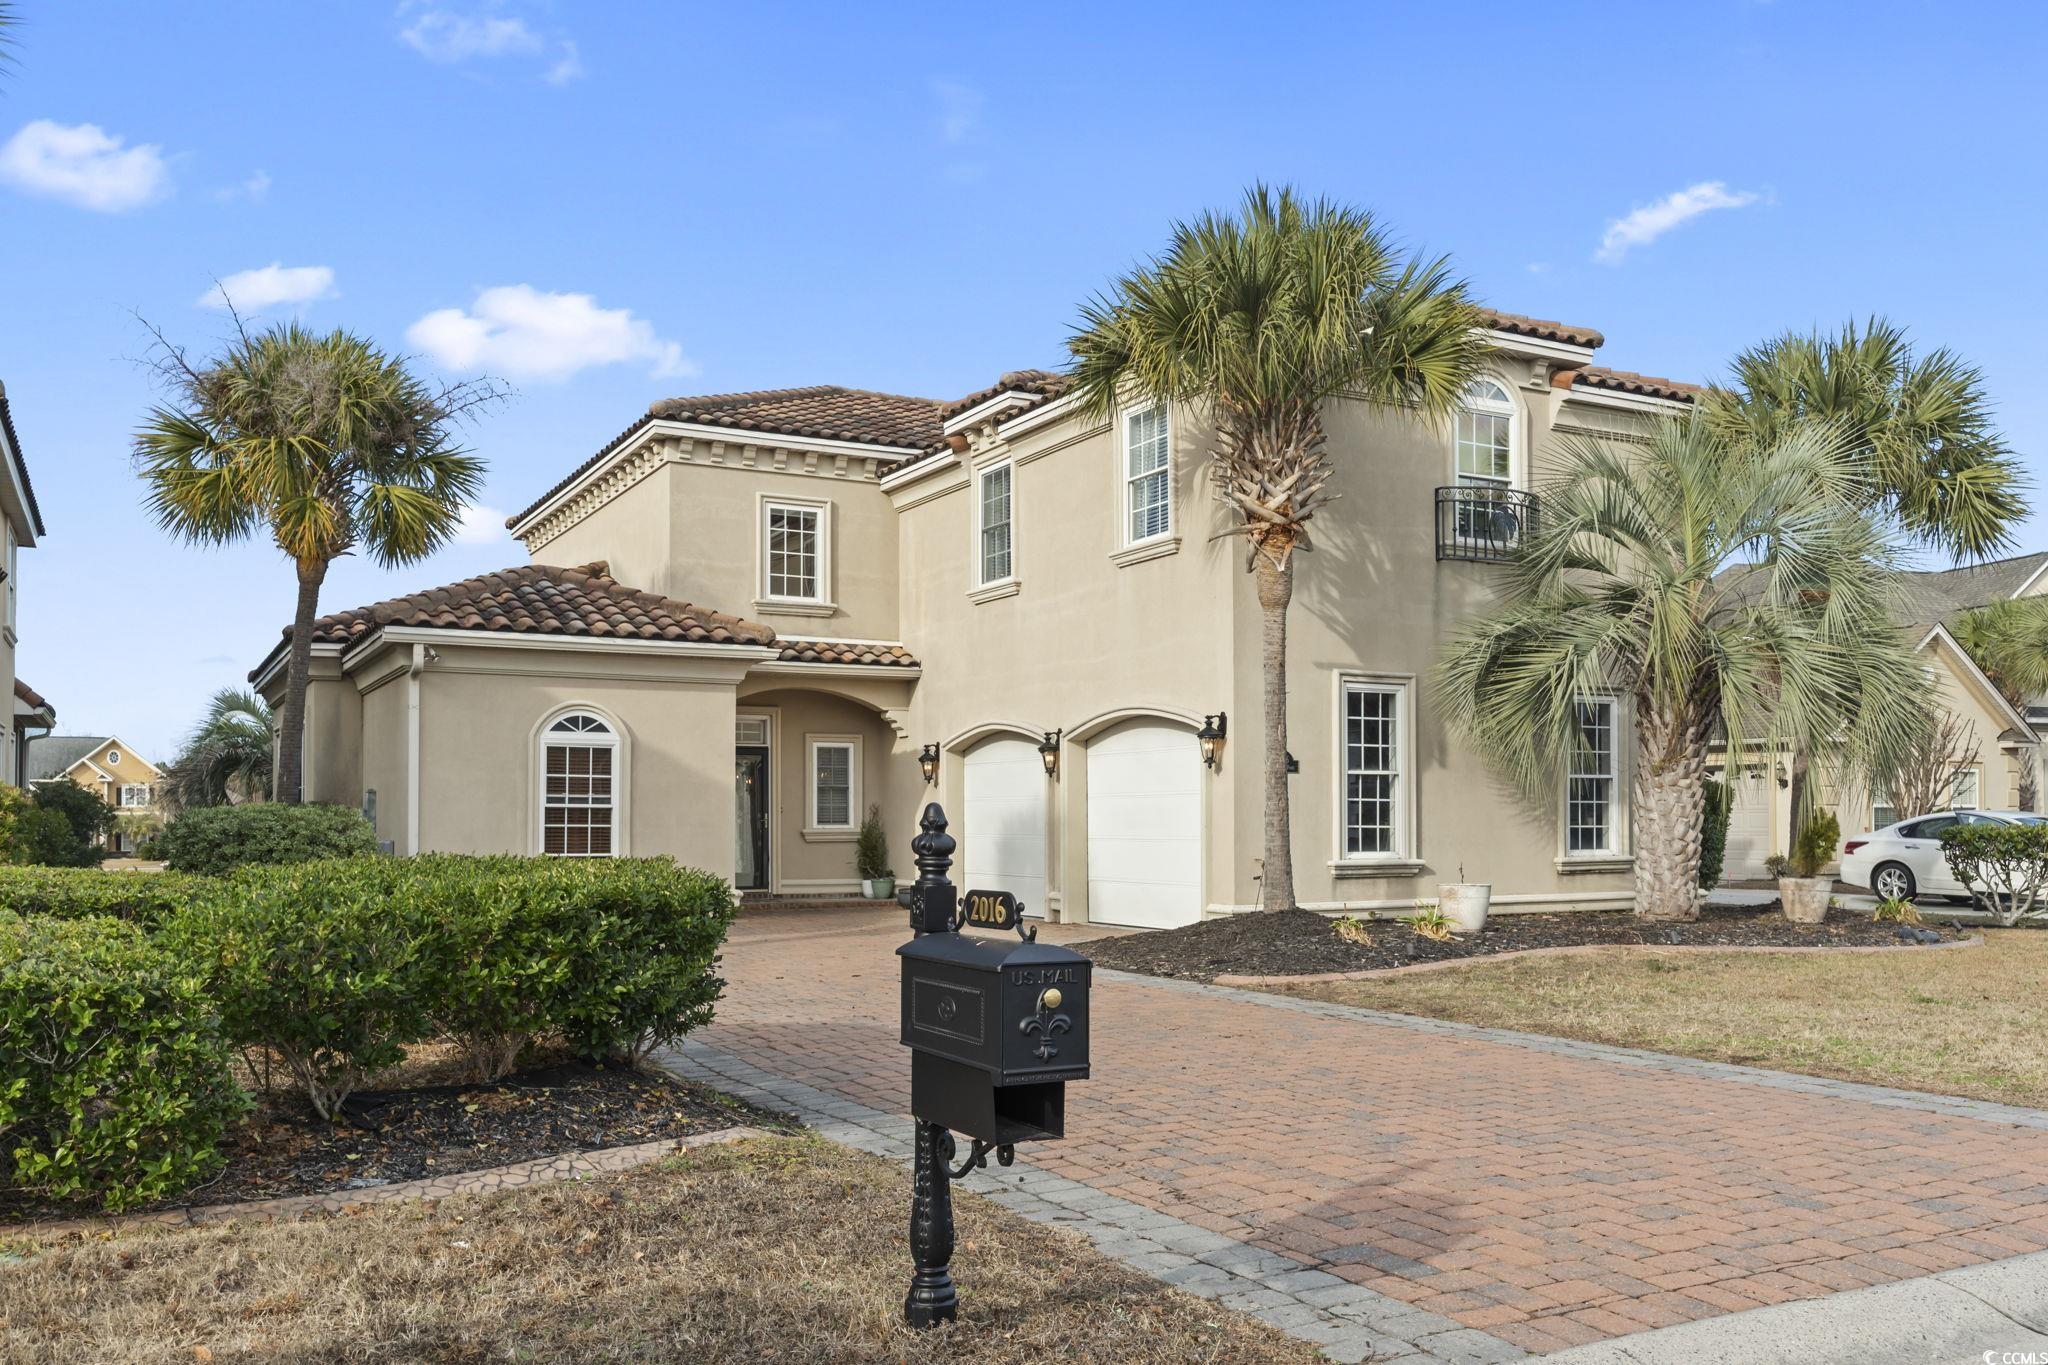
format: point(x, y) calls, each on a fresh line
point(1485, 436)
point(1148, 474)
point(113, 758)
point(834, 797)
point(793, 549)
point(1591, 779)
point(579, 798)
point(1963, 789)
point(1882, 811)
point(1373, 745)
point(750, 731)
point(135, 793)
point(994, 512)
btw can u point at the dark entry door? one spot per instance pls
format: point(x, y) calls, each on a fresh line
point(750, 806)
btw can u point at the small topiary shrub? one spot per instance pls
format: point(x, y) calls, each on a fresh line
point(145, 898)
point(215, 840)
point(1815, 848)
point(1714, 834)
point(871, 848)
point(2005, 867)
point(316, 962)
point(114, 1080)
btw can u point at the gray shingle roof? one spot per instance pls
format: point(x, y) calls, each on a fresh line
point(52, 755)
point(1940, 594)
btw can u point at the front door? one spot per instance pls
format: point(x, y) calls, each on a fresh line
point(750, 806)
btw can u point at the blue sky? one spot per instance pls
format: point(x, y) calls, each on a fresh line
point(608, 204)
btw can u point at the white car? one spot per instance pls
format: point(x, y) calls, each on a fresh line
point(1904, 860)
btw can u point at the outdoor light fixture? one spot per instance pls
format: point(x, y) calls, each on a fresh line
point(1214, 728)
point(928, 764)
point(1049, 752)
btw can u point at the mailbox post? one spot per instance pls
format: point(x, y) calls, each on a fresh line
point(996, 1028)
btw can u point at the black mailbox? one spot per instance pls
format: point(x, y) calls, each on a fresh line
point(996, 1028)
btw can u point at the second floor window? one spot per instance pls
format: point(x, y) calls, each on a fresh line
point(1148, 475)
point(1590, 784)
point(1485, 436)
point(135, 794)
point(795, 550)
point(996, 562)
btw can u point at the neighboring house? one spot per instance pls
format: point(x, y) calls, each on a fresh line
point(102, 764)
point(785, 600)
point(2006, 739)
point(21, 525)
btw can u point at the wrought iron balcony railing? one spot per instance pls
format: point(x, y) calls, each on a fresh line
point(1482, 522)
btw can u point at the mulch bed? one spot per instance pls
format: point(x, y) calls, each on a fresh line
point(1299, 942)
point(435, 1130)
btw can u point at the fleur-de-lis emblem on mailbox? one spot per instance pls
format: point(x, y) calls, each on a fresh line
point(1047, 1025)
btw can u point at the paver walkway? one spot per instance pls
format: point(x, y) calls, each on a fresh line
point(1549, 1193)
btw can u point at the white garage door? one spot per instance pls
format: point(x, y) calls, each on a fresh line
point(1749, 830)
point(1005, 833)
point(1145, 827)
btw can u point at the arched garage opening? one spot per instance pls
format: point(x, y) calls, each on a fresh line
point(1144, 824)
point(1003, 815)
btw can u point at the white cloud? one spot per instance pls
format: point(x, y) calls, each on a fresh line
point(252, 291)
point(1651, 221)
point(568, 65)
point(959, 110)
point(84, 166)
point(481, 526)
point(523, 333)
point(255, 189)
point(445, 36)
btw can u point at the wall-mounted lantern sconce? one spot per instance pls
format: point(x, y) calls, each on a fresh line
point(1293, 764)
point(1049, 752)
point(928, 764)
point(1211, 735)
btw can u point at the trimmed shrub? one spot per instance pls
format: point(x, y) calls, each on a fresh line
point(1714, 835)
point(146, 898)
point(2005, 867)
point(871, 847)
point(315, 962)
point(114, 1079)
point(215, 840)
point(1815, 848)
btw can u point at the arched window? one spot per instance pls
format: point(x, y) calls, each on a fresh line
point(579, 805)
point(1486, 435)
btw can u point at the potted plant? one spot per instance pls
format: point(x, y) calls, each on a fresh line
point(1465, 903)
point(1802, 890)
point(871, 858)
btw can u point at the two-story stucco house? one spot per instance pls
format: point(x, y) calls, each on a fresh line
point(21, 525)
point(750, 616)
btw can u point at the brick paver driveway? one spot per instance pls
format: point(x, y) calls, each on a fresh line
point(1547, 1198)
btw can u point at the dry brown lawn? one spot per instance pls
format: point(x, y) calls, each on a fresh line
point(1957, 1022)
point(785, 1249)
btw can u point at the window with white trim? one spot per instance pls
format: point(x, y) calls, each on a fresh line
point(113, 758)
point(1374, 821)
point(835, 783)
point(1591, 779)
point(1963, 788)
point(1485, 436)
point(579, 811)
point(1148, 475)
point(1882, 810)
point(997, 560)
point(793, 542)
point(135, 793)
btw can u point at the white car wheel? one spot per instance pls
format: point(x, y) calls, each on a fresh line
point(1892, 882)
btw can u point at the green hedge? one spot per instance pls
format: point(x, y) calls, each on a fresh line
point(114, 1076)
point(337, 965)
point(146, 898)
point(215, 840)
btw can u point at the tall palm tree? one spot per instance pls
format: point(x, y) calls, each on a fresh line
point(1716, 589)
point(323, 441)
point(1254, 321)
point(2009, 641)
point(1918, 429)
point(227, 756)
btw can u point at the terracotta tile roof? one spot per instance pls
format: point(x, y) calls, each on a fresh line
point(540, 599)
point(1543, 329)
point(1039, 384)
point(20, 461)
point(846, 652)
point(28, 694)
point(1628, 381)
point(823, 411)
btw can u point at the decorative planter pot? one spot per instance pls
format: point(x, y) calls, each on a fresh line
point(878, 888)
point(1465, 904)
point(1805, 898)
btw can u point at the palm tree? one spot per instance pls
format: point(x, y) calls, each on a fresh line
point(323, 441)
point(1255, 321)
point(2009, 641)
point(1716, 589)
point(227, 757)
point(1918, 429)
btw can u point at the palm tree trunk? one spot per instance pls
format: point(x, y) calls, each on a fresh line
point(1800, 791)
point(1670, 810)
point(1276, 589)
point(291, 724)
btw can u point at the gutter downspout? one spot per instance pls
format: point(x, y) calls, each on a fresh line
point(420, 655)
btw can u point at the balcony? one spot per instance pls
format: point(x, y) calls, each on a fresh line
point(1482, 522)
